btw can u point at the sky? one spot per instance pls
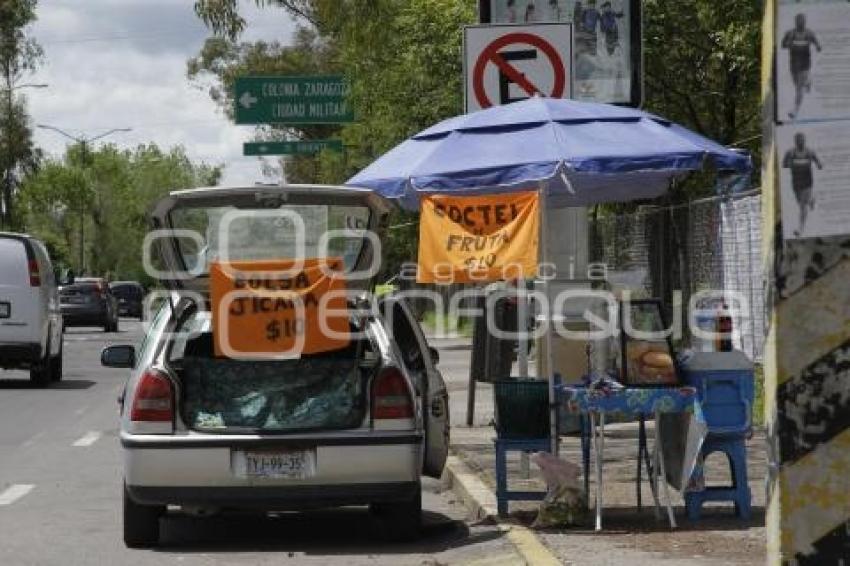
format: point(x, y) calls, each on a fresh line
point(122, 64)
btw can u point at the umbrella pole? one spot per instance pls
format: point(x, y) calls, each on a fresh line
point(547, 312)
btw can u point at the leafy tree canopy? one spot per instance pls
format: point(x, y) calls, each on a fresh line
point(109, 191)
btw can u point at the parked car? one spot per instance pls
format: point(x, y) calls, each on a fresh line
point(358, 425)
point(130, 295)
point(30, 320)
point(89, 302)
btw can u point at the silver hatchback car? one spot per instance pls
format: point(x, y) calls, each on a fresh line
point(358, 425)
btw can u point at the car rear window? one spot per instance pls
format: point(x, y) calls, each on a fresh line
point(126, 291)
point(81, 289)
point(13, 263)
point(289, 231)
point(317, 392)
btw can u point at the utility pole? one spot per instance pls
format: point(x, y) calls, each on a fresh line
point(84, 151)
point(6, 216)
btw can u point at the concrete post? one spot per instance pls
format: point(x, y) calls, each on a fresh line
point(807, 366)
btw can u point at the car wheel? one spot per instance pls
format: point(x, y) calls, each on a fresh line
point(402, 520)
point(41, 372)
point(141, 523)
point(56, 366)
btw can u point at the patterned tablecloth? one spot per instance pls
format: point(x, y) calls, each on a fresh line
point(682, 426)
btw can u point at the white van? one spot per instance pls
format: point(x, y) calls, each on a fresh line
point(30, 320)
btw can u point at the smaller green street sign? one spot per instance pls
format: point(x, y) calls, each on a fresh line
point(307, 147)
point(320, 99)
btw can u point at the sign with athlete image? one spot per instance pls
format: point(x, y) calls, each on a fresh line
point(813, 60)
point(507, 63)
point(272, 308)
point(478, 238)
point(607, 55)
point(814, 161)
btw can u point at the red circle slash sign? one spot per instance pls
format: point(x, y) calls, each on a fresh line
point(491, 55)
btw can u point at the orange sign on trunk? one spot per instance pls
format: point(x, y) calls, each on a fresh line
point(478, 238)
point(276, 308)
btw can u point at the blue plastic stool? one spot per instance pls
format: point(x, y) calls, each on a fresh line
point(503, 446)
point(735, 449)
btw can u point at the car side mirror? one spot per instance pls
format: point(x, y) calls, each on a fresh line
point(435, 355)
point(118, 357)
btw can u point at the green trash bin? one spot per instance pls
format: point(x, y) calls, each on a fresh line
point(522, 408)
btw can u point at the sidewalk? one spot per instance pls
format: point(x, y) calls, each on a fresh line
point(629, 536)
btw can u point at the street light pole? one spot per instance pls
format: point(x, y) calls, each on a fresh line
point(7, 190)
point(84, 150)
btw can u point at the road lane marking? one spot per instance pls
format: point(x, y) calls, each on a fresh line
point(15, 492)
point(87, 439)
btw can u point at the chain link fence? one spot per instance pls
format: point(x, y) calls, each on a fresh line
point(709, 244)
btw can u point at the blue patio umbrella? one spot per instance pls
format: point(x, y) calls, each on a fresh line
point(573, 153)
point(581, 153)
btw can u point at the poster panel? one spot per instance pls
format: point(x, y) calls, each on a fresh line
point(814, 180)
point(813, 60)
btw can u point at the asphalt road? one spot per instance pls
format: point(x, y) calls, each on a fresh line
point(60, 491)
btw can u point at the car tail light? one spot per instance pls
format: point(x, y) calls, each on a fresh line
point(35, 276)
point(391, 396)
point(154, 398)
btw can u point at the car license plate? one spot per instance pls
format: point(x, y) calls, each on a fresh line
point(5, 310)
point(74, 299)
point(274, 464)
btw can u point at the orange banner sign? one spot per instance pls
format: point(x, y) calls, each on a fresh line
point(478, 238)
point(275, 308)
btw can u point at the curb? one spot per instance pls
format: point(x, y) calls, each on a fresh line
point(473, 492)
point(481, 502)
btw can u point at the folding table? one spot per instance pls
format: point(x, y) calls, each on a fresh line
point(677, 444)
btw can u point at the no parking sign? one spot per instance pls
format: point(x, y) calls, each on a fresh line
point(506, 63)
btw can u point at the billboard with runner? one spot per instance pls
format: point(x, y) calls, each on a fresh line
point(813, 60)
point(607, 42)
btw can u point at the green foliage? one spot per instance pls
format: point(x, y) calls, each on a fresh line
point(702, 64)
point(401, 57)
point(109, 191)
point(19, 55)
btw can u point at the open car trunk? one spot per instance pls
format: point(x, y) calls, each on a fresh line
point(316, 392)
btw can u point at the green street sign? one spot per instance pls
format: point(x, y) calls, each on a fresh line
point(318, 99)
point(291, 147)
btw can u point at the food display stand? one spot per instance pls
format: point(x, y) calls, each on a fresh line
point(572, 154)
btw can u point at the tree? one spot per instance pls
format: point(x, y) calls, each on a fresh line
point(702, 66)
point(110, 191)
point(402, 59)
point(19, 55)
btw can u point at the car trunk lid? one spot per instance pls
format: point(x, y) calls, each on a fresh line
point(195, 227)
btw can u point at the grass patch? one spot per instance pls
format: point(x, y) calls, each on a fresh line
point(450, 324)
point(758, 404)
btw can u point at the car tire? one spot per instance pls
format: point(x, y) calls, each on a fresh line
point(141, 523)
point(40, 373)
point(402, 520)
point(56, 366)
